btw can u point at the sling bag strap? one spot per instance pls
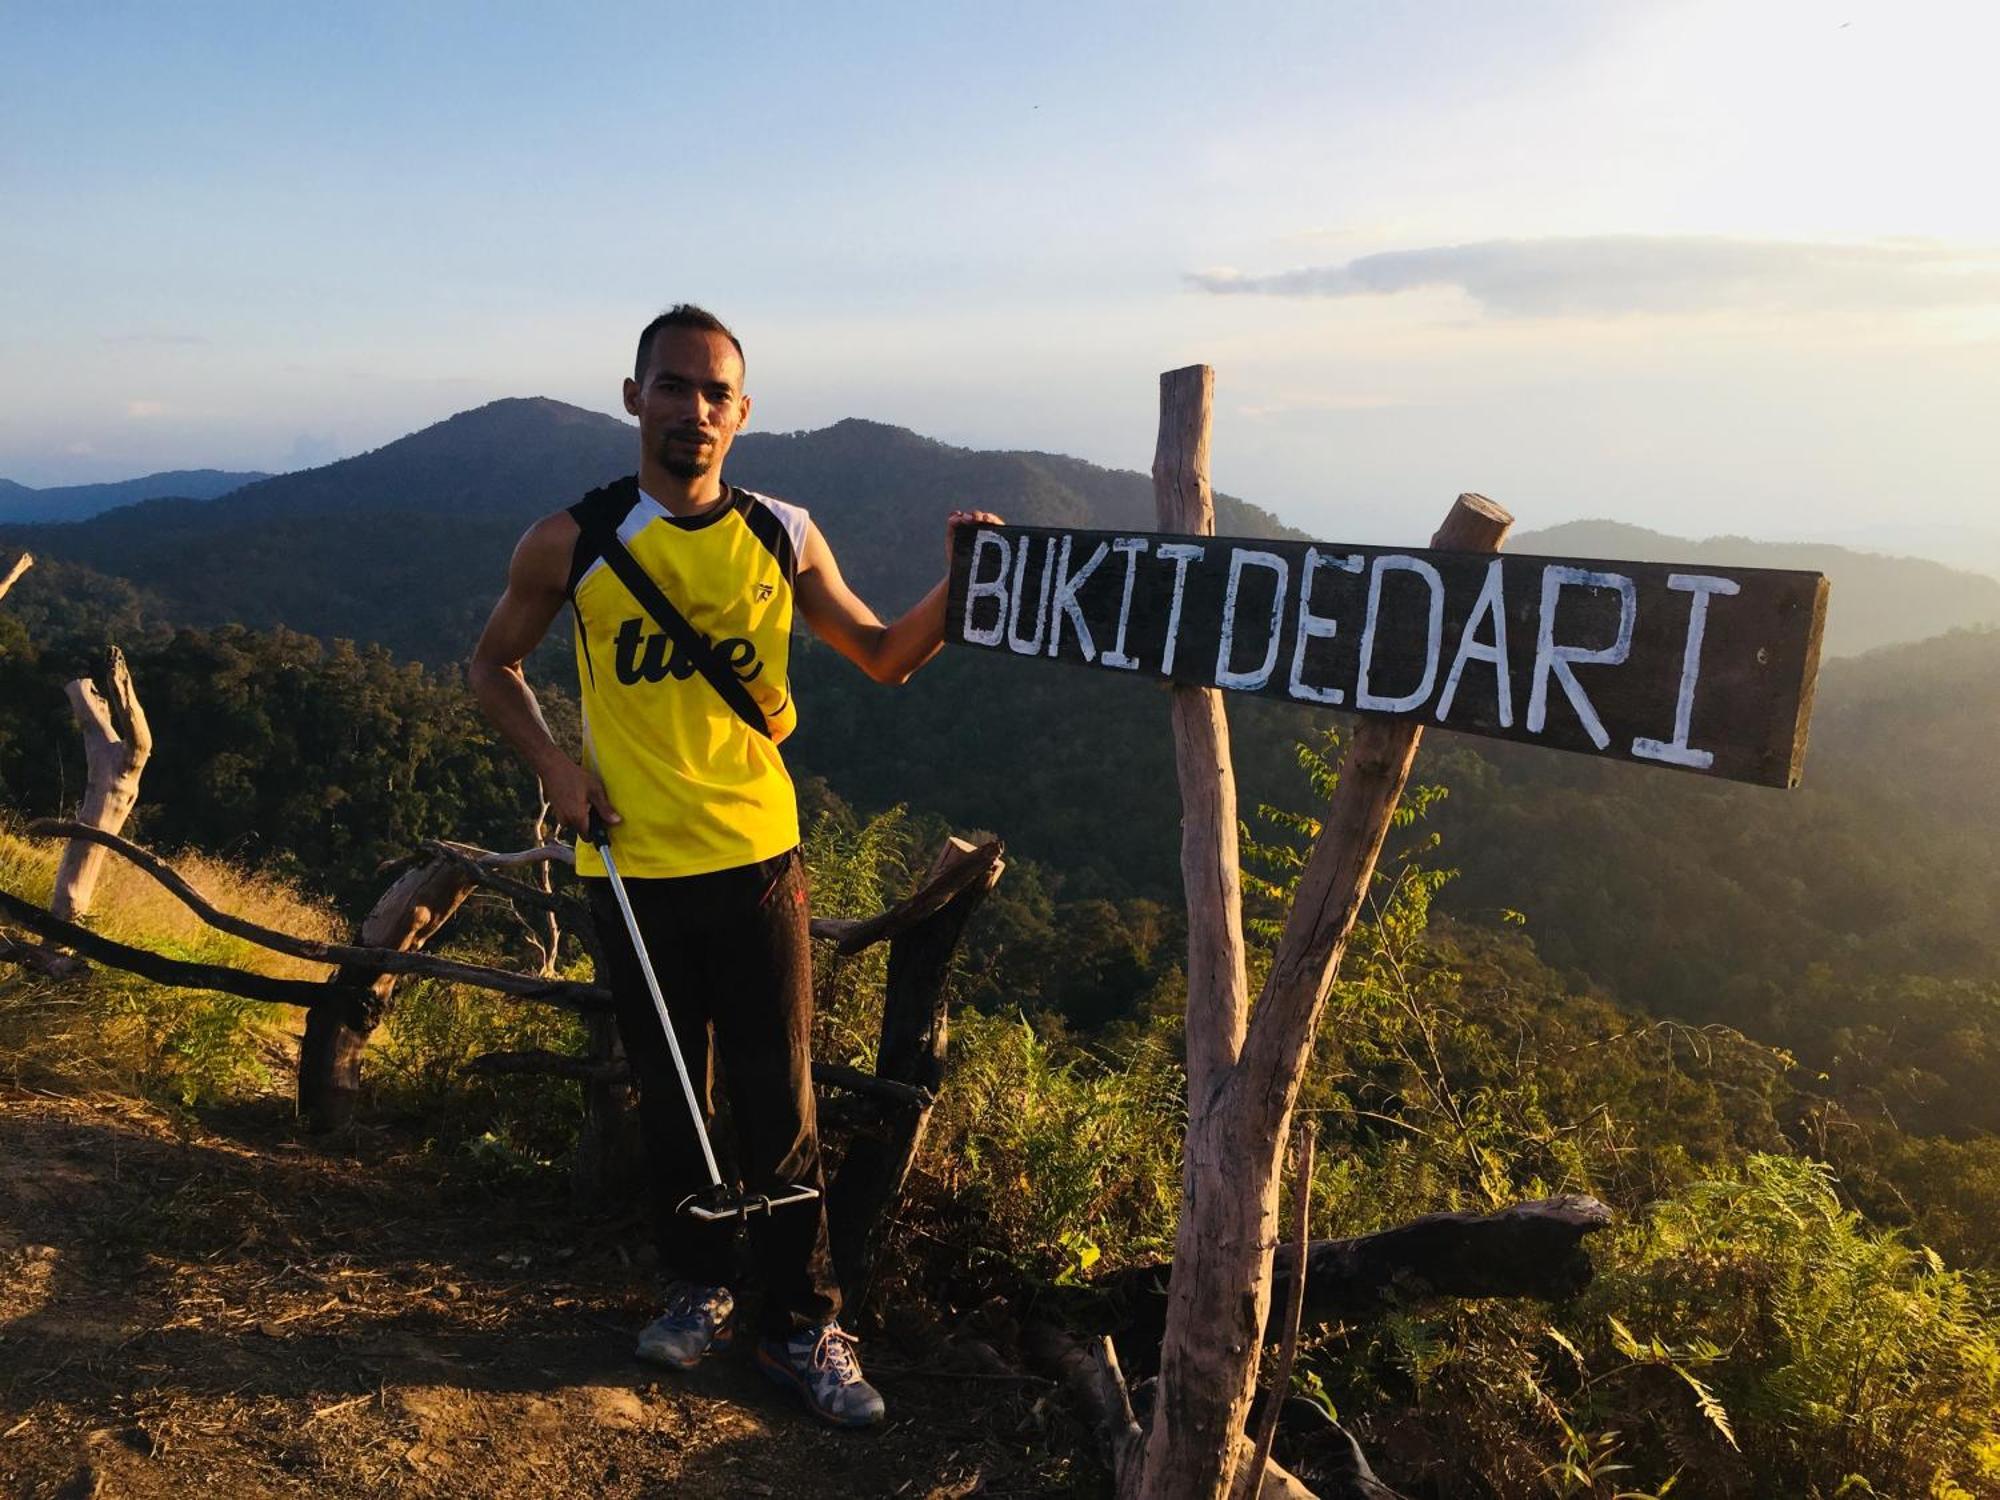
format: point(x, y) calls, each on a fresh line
point(602, 537)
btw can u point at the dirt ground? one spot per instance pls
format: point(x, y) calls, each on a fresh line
point(230, 1308)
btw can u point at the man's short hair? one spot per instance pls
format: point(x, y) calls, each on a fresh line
point(682, 315)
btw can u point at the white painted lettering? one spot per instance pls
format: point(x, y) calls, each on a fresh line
point(1316, 627)
point(1015, 640)
point(1067, 583)
point(1397, 562)
point(1677, 751)
point(1131, 546)
point(1551, 658)
point(1492, 602)
point(992, 588)
point(1180, 554)
point(1239, 559)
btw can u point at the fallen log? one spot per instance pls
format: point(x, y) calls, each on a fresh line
point(1532, 1249)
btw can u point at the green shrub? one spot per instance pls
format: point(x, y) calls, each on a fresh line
point(1070, 1161)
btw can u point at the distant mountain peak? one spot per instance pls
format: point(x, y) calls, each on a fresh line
point(542, 411)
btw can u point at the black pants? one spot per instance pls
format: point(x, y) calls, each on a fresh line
point(731, 950)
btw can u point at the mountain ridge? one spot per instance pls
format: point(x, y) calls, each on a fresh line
point(407, 543)
point(77, 502)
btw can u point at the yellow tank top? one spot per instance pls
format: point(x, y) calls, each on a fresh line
point(697, 788)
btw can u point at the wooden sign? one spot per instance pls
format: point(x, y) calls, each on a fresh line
point(1699, 668)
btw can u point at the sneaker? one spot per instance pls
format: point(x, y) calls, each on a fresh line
point(820, 1364)
point(697, 1319)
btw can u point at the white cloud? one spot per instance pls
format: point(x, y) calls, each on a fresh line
point(145, 408)
point(1611, 275)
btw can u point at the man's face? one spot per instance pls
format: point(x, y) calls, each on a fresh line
point(691, 402)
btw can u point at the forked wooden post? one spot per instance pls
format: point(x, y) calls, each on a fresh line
point(1243, 1079)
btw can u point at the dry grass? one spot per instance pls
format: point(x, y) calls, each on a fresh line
point(133, 908)
point(116, 1031)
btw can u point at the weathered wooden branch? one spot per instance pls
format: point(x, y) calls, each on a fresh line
point(957, 869)
point(1088, 1371)
point(480, 866)
point(157, 966)
point(117, 742)
point(1295, 1297)
point(582, 997)
point(1532, 1249)
point(873, 1086)
point(14, 571)
point(911, 1052)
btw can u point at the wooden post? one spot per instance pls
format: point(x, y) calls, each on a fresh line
point(1242, 1080)
point(915, 1033)
point(408, 915)
point(1194, 1407)
point(1209, 867)
point(117, 743)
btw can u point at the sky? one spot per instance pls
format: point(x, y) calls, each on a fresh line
point(1705, 267)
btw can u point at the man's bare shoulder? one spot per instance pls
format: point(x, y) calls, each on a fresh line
point(543, 554)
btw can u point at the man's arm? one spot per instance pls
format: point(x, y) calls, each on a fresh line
point(537, 584)
point(887, 653)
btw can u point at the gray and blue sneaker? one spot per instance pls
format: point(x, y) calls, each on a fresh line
point(820, 1364)
point(697, 1319)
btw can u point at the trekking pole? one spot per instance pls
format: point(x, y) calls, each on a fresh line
point(718, 1200)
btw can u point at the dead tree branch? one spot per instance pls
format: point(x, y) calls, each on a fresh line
point(14, 571)
point(1295, 1297)
point(157, 966)
point(117, 742)
point(581, 997)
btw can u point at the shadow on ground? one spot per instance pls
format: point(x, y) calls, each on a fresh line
point(229, 1308)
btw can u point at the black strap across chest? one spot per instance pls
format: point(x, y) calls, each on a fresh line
point(597, 516)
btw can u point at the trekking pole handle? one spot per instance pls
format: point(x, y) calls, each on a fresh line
point(596, 830)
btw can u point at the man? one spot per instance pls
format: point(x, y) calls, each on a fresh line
point(705, 824)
